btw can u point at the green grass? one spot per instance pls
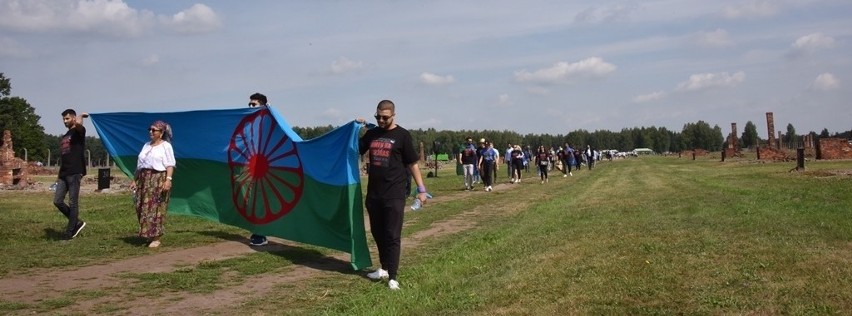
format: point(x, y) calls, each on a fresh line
point(653, 235)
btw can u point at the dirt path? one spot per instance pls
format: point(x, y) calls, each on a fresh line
point(39, 286)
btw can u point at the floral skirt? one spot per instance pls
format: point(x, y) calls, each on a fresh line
point(151, 202)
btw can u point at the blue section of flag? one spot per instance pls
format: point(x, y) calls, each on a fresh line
point(206, 134)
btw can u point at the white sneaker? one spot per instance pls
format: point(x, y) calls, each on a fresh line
point(542, 181)
point(488, 188)
point(564, 175)
point(570, 174)
point(378, 274)
point(393, 285)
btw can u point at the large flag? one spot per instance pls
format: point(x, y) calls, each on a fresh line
point(248, 168)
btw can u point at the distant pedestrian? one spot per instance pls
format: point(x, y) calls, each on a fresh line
point(590, 156)
point(467, 158)
point(507, 158)
point(488, 164)
point(542, 159)
point(517, 161)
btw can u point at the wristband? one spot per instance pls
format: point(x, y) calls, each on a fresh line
point(169, 178)
point(421, 189)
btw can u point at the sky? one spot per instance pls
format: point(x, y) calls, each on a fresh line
point(527, 66)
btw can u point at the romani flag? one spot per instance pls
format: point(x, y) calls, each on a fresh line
point(247, 168)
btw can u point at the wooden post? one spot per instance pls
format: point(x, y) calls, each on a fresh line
point(800, 159)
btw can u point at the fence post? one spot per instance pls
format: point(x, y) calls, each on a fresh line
point(800, 159)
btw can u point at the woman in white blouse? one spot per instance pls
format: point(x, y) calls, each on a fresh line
point(153, 182)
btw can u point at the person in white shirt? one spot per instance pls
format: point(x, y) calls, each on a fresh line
point(152, 182)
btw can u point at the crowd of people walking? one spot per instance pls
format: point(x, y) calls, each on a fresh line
point(482, 162)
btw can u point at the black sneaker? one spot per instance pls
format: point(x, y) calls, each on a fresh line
point(77, 230)
point(258, 240)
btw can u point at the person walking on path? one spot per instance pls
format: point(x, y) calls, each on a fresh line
point(392, 161)
point(72, 168)
point(542, 159)
point(517, 161)
point(488, 164)
point(467, 158)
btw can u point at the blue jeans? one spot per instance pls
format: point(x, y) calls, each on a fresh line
point(71, 185)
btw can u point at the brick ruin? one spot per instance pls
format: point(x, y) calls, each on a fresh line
point(814, 147)
point(733, 147)
point(13, 171)
point(772, 150)
point(834, 148)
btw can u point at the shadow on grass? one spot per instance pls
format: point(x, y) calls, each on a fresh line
point(296, 255)
point(135, 240)
point(53, 234)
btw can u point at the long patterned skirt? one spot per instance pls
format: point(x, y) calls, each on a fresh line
point(151, 202)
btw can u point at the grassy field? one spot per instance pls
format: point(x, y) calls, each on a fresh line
point(653, 235)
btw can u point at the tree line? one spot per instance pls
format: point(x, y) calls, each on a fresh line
point(18, 116)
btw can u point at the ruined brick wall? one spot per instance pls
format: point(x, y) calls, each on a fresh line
point(834, 148)
point(770, 126)
point(774, 154)
point(12, 170)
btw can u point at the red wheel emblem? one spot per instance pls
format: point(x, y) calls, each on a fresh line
point(266, 172)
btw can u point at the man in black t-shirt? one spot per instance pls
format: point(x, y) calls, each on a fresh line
point(392, 160)
point(72, 168)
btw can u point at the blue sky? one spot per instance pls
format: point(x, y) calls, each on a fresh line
point(528, 66)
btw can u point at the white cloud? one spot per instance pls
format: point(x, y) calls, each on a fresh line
point(538, 90)
point(825, 81)
point(504, 100)
point(436, 80)
point(813, 42)
point(608, 14)
point(717, 38)
point(649, 97)
point(114, 18)
point(758, 8)
point(344, 65)
point(593, 67)
point(198, 18)
point(711, 80)
point(151, 60)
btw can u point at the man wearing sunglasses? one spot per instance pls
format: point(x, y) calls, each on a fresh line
point(257, 100)
point(392, 161)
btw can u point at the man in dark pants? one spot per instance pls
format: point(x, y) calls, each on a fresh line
point(72, 168)
point(392, 161)
point(257, 100)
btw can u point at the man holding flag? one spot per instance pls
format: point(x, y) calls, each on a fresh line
point(392, 157)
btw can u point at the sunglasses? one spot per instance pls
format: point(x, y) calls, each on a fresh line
point(383, 117)
point(153, 130)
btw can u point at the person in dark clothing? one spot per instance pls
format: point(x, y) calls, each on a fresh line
point(392, 160)
point(72, 168)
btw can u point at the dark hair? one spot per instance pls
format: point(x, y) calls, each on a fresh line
point(386, 105)
point(259, 97)
point(69, 111)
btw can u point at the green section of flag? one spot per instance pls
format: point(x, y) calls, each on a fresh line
point(325, 215)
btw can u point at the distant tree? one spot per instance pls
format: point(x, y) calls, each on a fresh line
point(791, 137)
point(701, 135)
point(18, 116)
point(749, 136)
point(824, 133)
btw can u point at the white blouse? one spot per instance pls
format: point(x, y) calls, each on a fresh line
point(157, 157)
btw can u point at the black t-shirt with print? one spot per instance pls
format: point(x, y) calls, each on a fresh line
point(391, 152)
point(71, 147)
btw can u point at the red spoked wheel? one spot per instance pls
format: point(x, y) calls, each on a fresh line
point(266, 172)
